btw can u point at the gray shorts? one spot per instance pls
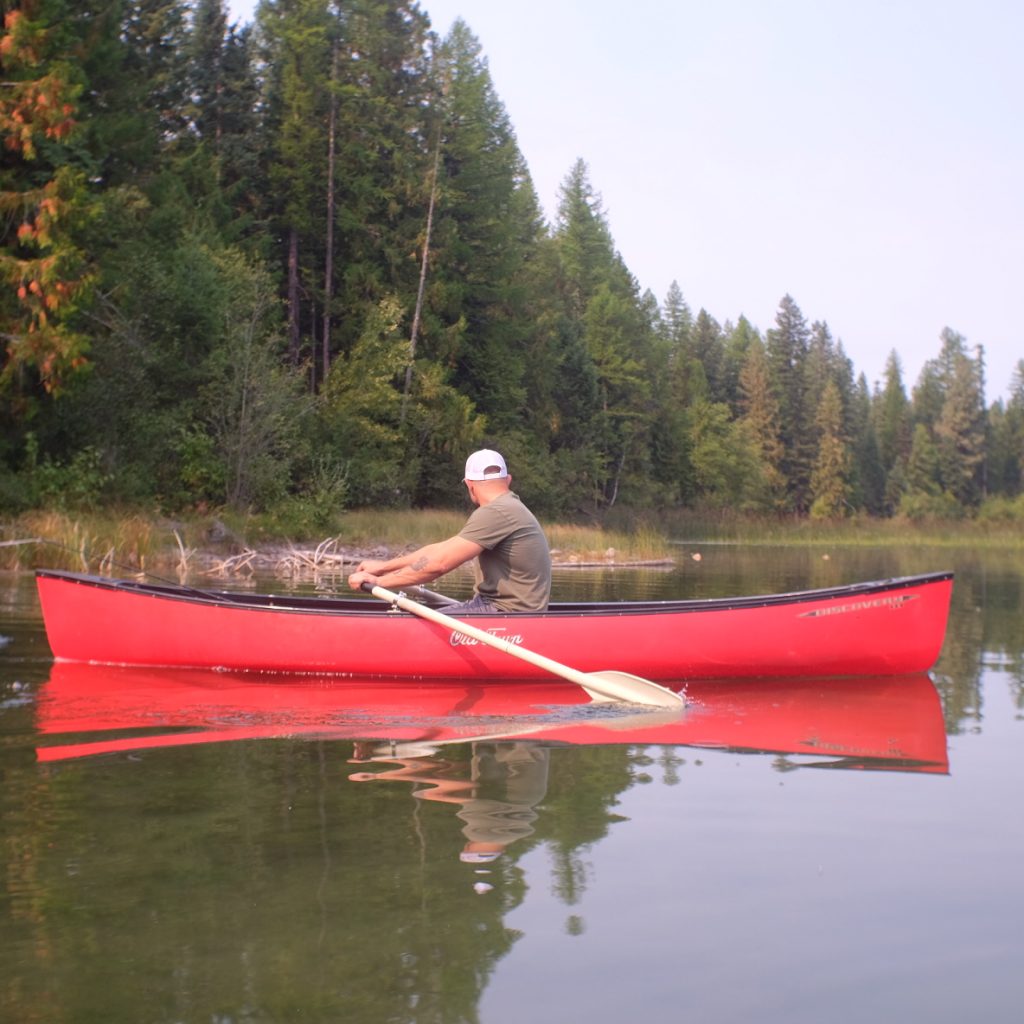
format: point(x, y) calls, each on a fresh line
point(474, 604)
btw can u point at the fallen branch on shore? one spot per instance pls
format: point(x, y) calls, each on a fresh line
point(327, 559)
point(330, 558)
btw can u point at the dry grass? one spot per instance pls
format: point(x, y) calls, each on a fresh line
point(856, 531)
point(397, 529)
point(586, 544)
point(58, 540)
point(139, 543)
point(134, 542)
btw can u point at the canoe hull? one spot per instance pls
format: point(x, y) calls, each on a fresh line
point(889, 627)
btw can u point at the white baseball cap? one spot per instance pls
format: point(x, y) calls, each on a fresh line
point(479, 857)
point(485, 465)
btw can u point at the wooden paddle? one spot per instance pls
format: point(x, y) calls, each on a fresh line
point(604, 685)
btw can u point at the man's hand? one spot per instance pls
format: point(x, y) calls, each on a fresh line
point(361, 576)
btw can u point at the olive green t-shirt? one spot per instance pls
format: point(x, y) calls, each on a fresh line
point(514, 568)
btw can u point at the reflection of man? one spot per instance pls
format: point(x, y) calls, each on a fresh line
point(507, 781)
point(511, 779)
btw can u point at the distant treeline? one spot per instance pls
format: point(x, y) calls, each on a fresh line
point(303, 262)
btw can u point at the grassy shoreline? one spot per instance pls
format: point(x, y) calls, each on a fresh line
point(100, 541)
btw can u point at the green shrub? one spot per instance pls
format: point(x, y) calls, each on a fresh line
point(918, 506)
point(75, 485)
point(1002, 510)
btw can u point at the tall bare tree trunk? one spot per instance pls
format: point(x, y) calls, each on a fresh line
point(329, 255)
point(294, 311)
point(418, 312)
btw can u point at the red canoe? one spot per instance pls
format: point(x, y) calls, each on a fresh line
point(887, 722)
point(888, 627)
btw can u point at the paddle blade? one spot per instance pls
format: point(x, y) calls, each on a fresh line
point(611, 684)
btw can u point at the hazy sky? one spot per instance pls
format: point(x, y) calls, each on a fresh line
point(867, 158)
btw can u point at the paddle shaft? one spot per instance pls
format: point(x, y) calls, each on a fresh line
point(622, 687)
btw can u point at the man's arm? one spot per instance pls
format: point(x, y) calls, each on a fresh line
point(421, 566)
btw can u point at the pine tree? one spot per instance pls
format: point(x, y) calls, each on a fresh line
point(826, 361)
point(1014, 480)
point(760, 418)
point(585, 245)
point(923, 470)
point(222, 114)
point(892, 416)
point(207, 87)
point(725, 464)
point(251, 407)
point(488, 232)
point(1004, 470)
point(935, 378)
point(829, 478)
point(960, 433)
point(787, 349)
point(867, 476)
point(943, 474)
point(923, 495)
point(738, 341)
point(297, 36)
point(670, 373)
point(387, 121)
point(709, 350)
point(154, 72)
point(1006, 446)
point(617, 333)
point(677, 360)
point(676, 322)
point(948, 400)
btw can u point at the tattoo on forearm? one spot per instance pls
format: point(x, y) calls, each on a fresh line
point(420, 563)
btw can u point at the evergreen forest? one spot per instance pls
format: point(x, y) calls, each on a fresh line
point(302, 262)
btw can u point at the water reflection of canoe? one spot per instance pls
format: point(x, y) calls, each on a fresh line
point(876, 721)
point(887, 627)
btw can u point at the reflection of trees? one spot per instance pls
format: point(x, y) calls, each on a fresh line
point(578, 811)
point(1003, 623)
point(243, 887)
point(958, 673)
point(670, 762)
point(986, 626)
point(251, 881)
point(1018, 689)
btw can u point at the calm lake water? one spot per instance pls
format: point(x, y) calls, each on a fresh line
point(216, 851)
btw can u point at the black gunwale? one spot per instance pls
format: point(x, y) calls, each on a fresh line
point(363, 606)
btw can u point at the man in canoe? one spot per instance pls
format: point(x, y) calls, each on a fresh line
point(512, 559)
